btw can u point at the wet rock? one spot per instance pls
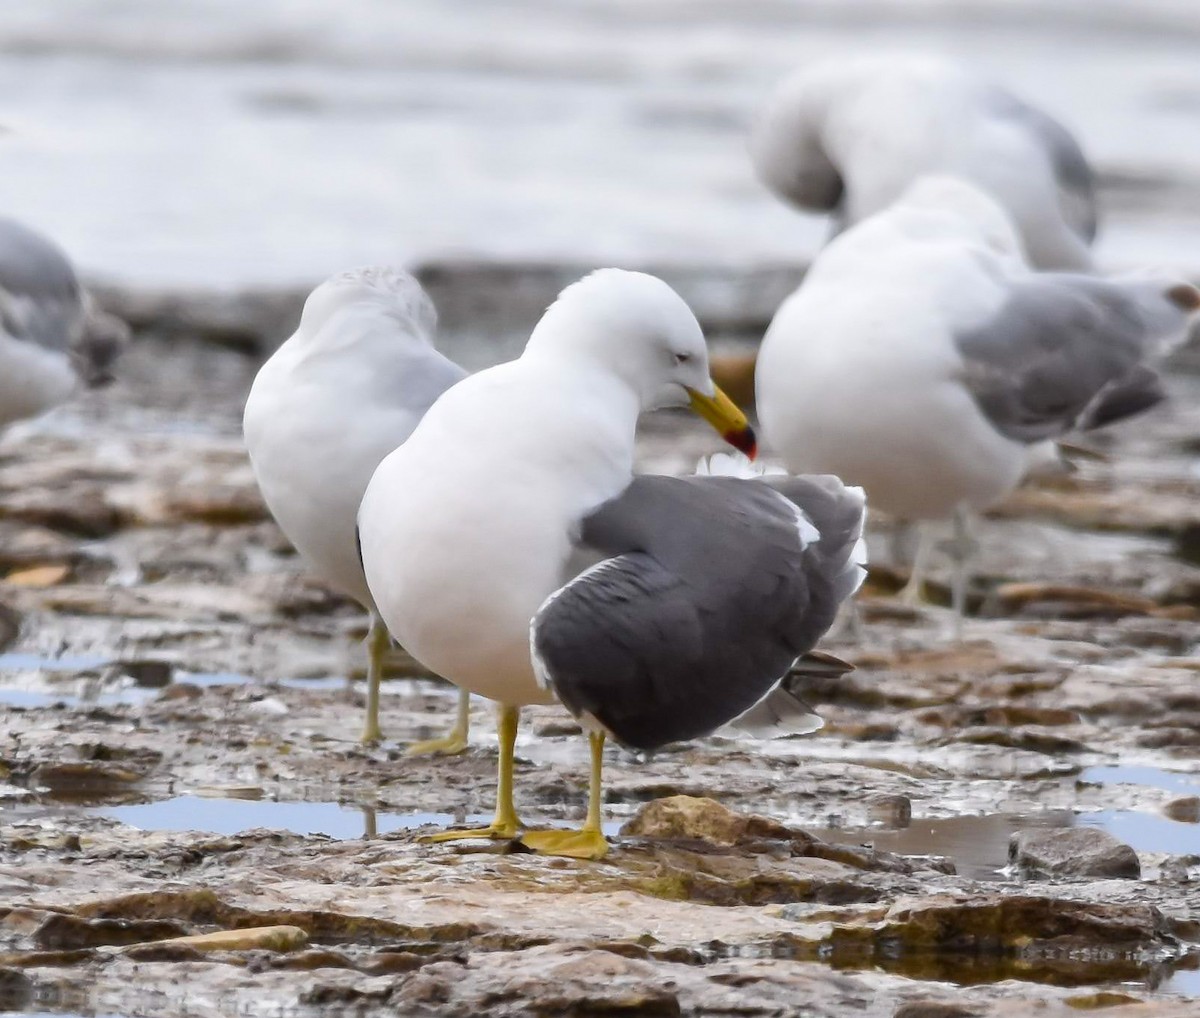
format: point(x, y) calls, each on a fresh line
point(937, 1009)
point(1073, 852)
point(997, 715)
point(1185, 810)
point(262, 938)
point(148, 674)
point(324, 994)
point(39, 576)
point(1102, 999)
point(687, 817)
point(10, 626)
point(83, 776)
point(16, 988)
point(562, 980)
point(889, 810)
point(62, 932)
point(83, 514)
point(1027, 737)
point(734, 879)
point(1040, 931)
point(1175, 870)
point(547, 727)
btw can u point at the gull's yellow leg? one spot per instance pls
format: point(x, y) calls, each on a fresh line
point(455, 740)
point(377, 645)
point(507, 823)
point(588, 842)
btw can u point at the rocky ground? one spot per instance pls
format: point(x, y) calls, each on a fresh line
point(1006, 825)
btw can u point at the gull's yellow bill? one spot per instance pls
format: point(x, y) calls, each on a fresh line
point(730, 423)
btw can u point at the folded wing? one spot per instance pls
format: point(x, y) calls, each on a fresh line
point(711, 589)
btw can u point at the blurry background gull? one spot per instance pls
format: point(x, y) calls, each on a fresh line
point(922, 359)
point(53, 339)
point(347, 388)
point(849, 135)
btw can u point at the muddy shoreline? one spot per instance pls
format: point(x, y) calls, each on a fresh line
point(178, 757)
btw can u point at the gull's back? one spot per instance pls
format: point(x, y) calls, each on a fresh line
point(852, 136)
point(46, 343)
point(345, 390)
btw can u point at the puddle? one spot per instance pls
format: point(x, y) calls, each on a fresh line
point(104, 682)
point(35, 662)
point(232, 816)
point(1149, 777)
point(1117, 972)
point(978, 845)
point(1146, 832)
point(1185, 982)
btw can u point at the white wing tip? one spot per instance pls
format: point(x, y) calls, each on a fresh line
point(735, 464)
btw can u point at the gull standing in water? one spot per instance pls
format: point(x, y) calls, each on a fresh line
point(338, 396)
point(924, 360)
point(52, 337)
point(510, 548)
point(850, 136)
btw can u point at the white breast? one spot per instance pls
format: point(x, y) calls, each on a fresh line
point(466, 529)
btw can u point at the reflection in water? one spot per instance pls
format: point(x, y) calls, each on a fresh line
point(1146, 832)
point(232, 816)
point(104, 683)
point(978, 845)
point(1150, 777)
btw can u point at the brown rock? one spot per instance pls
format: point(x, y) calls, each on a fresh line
point(60, 932)
point(688, 818)
point(15, 988)
point(1073, 852)
point(890, 810)
point(937, 1009)
point(1185, 810)
point(261, 938)
point(1104, 998)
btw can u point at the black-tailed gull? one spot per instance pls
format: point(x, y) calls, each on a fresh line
point(510, 548)
point(850, 135)
point(922, 359)
point(52, 337)
point(335, 398)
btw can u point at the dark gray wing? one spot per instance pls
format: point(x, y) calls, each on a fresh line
point(714, 587)
point(1067, 352)
point(1071, 168)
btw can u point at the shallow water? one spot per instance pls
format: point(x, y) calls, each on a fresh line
point(1149, 777)
point(279, 142)
point(228, 816)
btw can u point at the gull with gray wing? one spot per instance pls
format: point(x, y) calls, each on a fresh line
point(922, 359)
point(480, 538)
point(52, 336)
point(849, 135)
point(340, 394)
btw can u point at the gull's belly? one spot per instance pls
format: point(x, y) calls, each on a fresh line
point(915, 441)
point(32, 379)
point(458, 581)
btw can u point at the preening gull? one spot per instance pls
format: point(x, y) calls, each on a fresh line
point(850, 135)
point(922, 359)
point(510, 548)
point(52, 337)
point(339, 395)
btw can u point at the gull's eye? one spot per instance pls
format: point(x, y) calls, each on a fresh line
point(682, 358)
